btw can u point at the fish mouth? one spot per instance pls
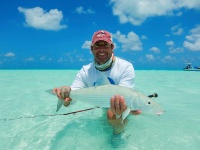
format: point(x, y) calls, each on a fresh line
point(160, 113)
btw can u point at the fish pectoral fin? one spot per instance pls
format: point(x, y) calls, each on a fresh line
point(59, 104)
point(102, 80)
point(125, 114)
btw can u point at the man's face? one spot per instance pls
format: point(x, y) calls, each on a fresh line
point(102, 51)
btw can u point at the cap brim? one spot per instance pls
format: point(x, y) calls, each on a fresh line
point(108, 41)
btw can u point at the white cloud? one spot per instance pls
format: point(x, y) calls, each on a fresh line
point(9, 54)
point(170, 43)
point(40, 19)
point(189, 4)
point(155, 50)
point(29, 59)
point(80, 10)
point(150, 57)
point(144, 37)
point(129, 42)
point(168, 58)
point(86, 45)
point(176, 50)
point(115, 45)
point(43, 58)
point(193, 40)
point(177, 30)
point(81, 58)
point(167, 35)
point(136, 12)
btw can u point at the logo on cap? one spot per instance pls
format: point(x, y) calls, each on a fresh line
point(100, 34)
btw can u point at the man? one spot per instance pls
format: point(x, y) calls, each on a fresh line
point(118, 71)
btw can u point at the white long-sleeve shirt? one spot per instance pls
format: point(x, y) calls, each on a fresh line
point(122, 73)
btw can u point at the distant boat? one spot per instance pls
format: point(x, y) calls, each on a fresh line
point(190, 68)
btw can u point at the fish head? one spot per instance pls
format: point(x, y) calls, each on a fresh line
point(146, 104)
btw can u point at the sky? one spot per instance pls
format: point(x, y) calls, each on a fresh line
point(56, 34)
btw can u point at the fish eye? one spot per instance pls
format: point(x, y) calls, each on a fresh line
point(149, 102)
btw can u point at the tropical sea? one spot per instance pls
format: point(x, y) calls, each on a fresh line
point(29, 121)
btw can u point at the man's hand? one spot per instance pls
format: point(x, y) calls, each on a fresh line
point(117, 105)
point(63, 93)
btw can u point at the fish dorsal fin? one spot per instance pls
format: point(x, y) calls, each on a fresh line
point(102, 80)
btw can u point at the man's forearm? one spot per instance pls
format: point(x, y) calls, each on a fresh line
point(117, 124)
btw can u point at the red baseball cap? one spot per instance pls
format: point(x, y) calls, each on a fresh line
point(102, 35)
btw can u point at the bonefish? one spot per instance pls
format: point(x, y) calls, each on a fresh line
point(100, 96)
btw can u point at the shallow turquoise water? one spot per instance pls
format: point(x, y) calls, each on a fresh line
point(22, 95)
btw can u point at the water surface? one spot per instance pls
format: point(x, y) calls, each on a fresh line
point(22, 95)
